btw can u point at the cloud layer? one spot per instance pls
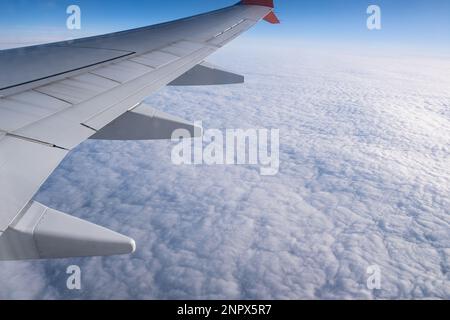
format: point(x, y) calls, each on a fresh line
point(364, 180)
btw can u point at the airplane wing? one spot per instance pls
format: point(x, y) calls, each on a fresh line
point(55, 96)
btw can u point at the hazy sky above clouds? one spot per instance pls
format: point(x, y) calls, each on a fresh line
point(364, 180)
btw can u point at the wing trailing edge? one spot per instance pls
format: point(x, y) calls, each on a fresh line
point(206, 74)
point(145, 123)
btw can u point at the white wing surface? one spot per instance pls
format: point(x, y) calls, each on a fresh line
point(55, 96)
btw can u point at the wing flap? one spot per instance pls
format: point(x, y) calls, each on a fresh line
point(83, 120)
point(24, 166)
point(145, 123)
point(155, 59)
point(123, 72)
point(142, 87)
point(206, 74)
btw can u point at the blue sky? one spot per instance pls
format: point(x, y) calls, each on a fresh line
point(409, 23)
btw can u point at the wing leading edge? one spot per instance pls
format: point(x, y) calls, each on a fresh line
point(55, 96)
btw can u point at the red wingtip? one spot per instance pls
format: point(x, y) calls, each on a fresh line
point(272, 18)
point(265, 3)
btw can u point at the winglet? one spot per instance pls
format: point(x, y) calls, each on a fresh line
point(271, 17)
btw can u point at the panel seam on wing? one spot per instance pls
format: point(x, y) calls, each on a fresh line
point(47, 144)
point(66, 72)
point(192, 57)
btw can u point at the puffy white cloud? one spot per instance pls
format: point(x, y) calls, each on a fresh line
point(364, 180)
